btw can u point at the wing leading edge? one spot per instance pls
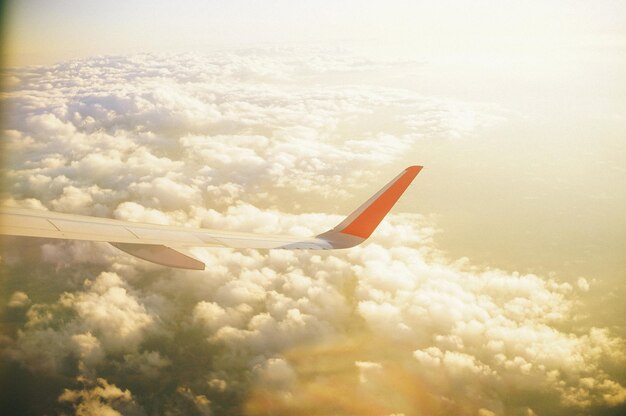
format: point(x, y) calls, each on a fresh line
point(168, 245)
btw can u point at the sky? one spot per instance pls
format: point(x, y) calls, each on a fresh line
point(494, 287)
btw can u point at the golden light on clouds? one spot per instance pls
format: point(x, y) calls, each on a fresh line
point(336, 378)
point(494, 287)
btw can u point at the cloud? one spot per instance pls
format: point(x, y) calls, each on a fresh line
point(583, 284)
point(18, 300)
point(184, 125)
point(111, 311)
point(263, 142)
point(201, 404)
point(101, 399)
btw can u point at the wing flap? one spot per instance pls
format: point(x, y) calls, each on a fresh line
point(159, 254)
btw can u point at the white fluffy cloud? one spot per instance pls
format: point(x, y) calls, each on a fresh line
point(260, 141)
point(173, 131)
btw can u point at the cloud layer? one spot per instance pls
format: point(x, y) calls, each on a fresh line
point(261, 141)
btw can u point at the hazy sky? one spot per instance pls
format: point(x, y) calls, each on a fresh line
point(41, 31)
point(496, 287)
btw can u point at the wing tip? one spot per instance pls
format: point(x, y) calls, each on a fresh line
point(362, 223)
point(414, 169)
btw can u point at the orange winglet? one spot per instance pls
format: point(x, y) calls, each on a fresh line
point(374, 212)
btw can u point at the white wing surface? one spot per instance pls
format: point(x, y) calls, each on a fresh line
point(168, 245)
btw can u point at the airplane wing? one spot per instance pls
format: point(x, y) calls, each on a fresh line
point(168, 245)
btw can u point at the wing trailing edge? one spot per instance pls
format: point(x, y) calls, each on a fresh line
point(159, 254)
